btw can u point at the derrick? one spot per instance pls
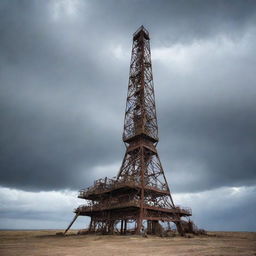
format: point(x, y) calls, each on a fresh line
point(139, 197)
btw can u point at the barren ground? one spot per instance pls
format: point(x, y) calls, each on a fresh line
point(47, 243)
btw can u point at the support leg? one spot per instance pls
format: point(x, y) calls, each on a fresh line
point(90, 226)
point(180, 228)
point(71, 223)
point(149, 227)
point(125, 226)
point(122, 227)
point(139, 224)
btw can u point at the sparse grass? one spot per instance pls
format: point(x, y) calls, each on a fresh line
point(45, 242)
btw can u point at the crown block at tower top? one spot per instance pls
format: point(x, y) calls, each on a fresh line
point(141, 30)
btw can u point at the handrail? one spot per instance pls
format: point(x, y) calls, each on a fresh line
point(119, 204)
point(106, 184)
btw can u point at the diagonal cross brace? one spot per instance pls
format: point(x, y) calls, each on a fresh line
point(71, 223)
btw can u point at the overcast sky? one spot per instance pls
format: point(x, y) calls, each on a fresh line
point(64, 68)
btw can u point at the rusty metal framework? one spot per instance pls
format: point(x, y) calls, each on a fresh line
point(140, 192)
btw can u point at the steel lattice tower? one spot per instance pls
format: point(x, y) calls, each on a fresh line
point(140, 192)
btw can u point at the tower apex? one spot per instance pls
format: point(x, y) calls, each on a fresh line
point(141, 30)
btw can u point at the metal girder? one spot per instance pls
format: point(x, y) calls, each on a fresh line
point(140, 191)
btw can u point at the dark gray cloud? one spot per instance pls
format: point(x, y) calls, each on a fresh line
point(177, 21)
point(221, 209)
point(63, 81)
point(215, 146)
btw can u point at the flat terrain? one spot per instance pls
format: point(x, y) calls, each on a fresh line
point(47, 243)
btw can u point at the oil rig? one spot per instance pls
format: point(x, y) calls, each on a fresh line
point(139, 197)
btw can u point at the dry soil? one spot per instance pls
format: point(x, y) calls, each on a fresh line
point(39, 243)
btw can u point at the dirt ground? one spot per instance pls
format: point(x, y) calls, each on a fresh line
point(39, 243)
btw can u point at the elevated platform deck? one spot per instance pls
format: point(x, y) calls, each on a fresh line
point(89, 210)
point(104, 187)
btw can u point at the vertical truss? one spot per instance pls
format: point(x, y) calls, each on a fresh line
point(141, 163)
point(140, 113)
point(140, 192)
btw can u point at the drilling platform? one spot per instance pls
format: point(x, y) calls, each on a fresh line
point(139, 197)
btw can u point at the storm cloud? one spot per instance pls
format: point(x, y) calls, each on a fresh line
point(64, 68)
